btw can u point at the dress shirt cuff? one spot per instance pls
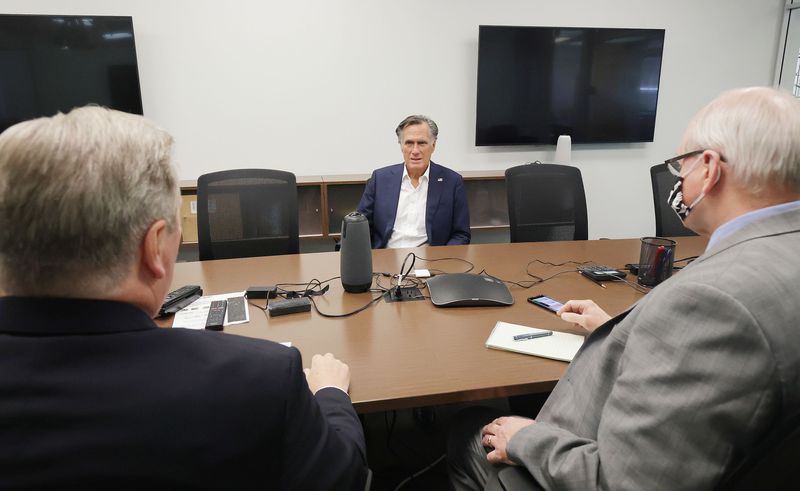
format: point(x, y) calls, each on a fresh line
point(332, 387)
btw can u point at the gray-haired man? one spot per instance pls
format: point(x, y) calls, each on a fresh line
point(93, 393)
point(417, 202)
point(673, 393)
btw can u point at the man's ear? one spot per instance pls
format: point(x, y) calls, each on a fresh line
point(712, 164)
point(154, 247)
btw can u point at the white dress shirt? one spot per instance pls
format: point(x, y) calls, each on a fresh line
point(409, 223)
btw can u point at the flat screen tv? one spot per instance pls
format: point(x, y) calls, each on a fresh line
point(597, 85)
point(51, 63)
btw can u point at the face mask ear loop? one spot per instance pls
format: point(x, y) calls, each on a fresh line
point(703, 194)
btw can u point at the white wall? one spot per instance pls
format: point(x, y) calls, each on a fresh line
point(318, 86)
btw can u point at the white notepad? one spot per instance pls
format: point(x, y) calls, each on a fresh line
point(560, 346)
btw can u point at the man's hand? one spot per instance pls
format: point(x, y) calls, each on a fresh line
point(498, 433)
point(584, 313)
point(327, 371)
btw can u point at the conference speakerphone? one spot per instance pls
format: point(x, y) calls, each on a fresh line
point(468, 290)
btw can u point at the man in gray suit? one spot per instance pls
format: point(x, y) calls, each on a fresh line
point(673, 393)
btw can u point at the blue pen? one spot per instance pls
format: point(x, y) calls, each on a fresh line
point(533, 335)
point(663, 267)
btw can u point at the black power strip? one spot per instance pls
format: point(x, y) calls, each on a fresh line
point(290, 306)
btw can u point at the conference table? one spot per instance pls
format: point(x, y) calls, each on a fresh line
point(410, 354)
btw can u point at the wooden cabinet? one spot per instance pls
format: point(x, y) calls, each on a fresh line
point(323, 201)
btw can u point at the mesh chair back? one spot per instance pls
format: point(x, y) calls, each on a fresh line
point(246, 213)
point(667, 222)
point(546, 202)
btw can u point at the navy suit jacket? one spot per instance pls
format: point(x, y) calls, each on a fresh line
point(96, 396)
point(446, 214)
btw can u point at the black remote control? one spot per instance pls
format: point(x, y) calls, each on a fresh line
point(601, 272)
point(176, 296)
point(237, 309)
point(216, 315)
point(179, 305)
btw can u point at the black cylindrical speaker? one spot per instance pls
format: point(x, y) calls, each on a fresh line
point(356, 253)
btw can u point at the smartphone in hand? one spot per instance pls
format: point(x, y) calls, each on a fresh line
point(546, 302)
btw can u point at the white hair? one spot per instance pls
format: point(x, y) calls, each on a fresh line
point(757, 131)
point(78, 191)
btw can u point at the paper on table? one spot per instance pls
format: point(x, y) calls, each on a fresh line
point(194, 315)
point(560, 346)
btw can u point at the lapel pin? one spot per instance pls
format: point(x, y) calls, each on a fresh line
point(440, 179)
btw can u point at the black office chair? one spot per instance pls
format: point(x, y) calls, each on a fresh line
point(667, 222)
point(546, 202)
point(771, 464)
point(247, 212)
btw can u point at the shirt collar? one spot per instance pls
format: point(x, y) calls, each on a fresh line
point(731, 226)
point(46, 315)
point(425, 174)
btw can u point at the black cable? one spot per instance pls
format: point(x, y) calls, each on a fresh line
point(411, 267)
point(403, 464)
point(635, 286)
point(262, 309)
point(548, 263)
point(312, 287)
point(539, 279)
point(471, 266)
point(377, 278)
point(525, 284)
point(306, 283)
point(362, 308)
point(420, 472)
point(389, 431)
point(412, 282)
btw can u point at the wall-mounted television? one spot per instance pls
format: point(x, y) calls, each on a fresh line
point(51, 63)
point(598, 85)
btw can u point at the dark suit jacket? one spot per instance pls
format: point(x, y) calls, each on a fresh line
point(446, 214)
point(94, 395)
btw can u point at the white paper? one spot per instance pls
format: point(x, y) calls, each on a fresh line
point(560, 346)
point(194, 315)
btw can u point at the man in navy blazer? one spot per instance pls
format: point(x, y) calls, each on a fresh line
point(417, 202)
point(94, 394)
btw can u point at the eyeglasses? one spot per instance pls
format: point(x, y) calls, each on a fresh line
point(674, 164)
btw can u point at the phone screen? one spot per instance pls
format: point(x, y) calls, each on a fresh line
point(546, 302)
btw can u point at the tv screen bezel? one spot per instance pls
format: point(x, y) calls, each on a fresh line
point(130, 21)
point(530, 142)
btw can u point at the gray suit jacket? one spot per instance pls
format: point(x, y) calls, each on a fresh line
point(673, 393)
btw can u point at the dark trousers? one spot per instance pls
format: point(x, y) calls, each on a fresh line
point(466, 456)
